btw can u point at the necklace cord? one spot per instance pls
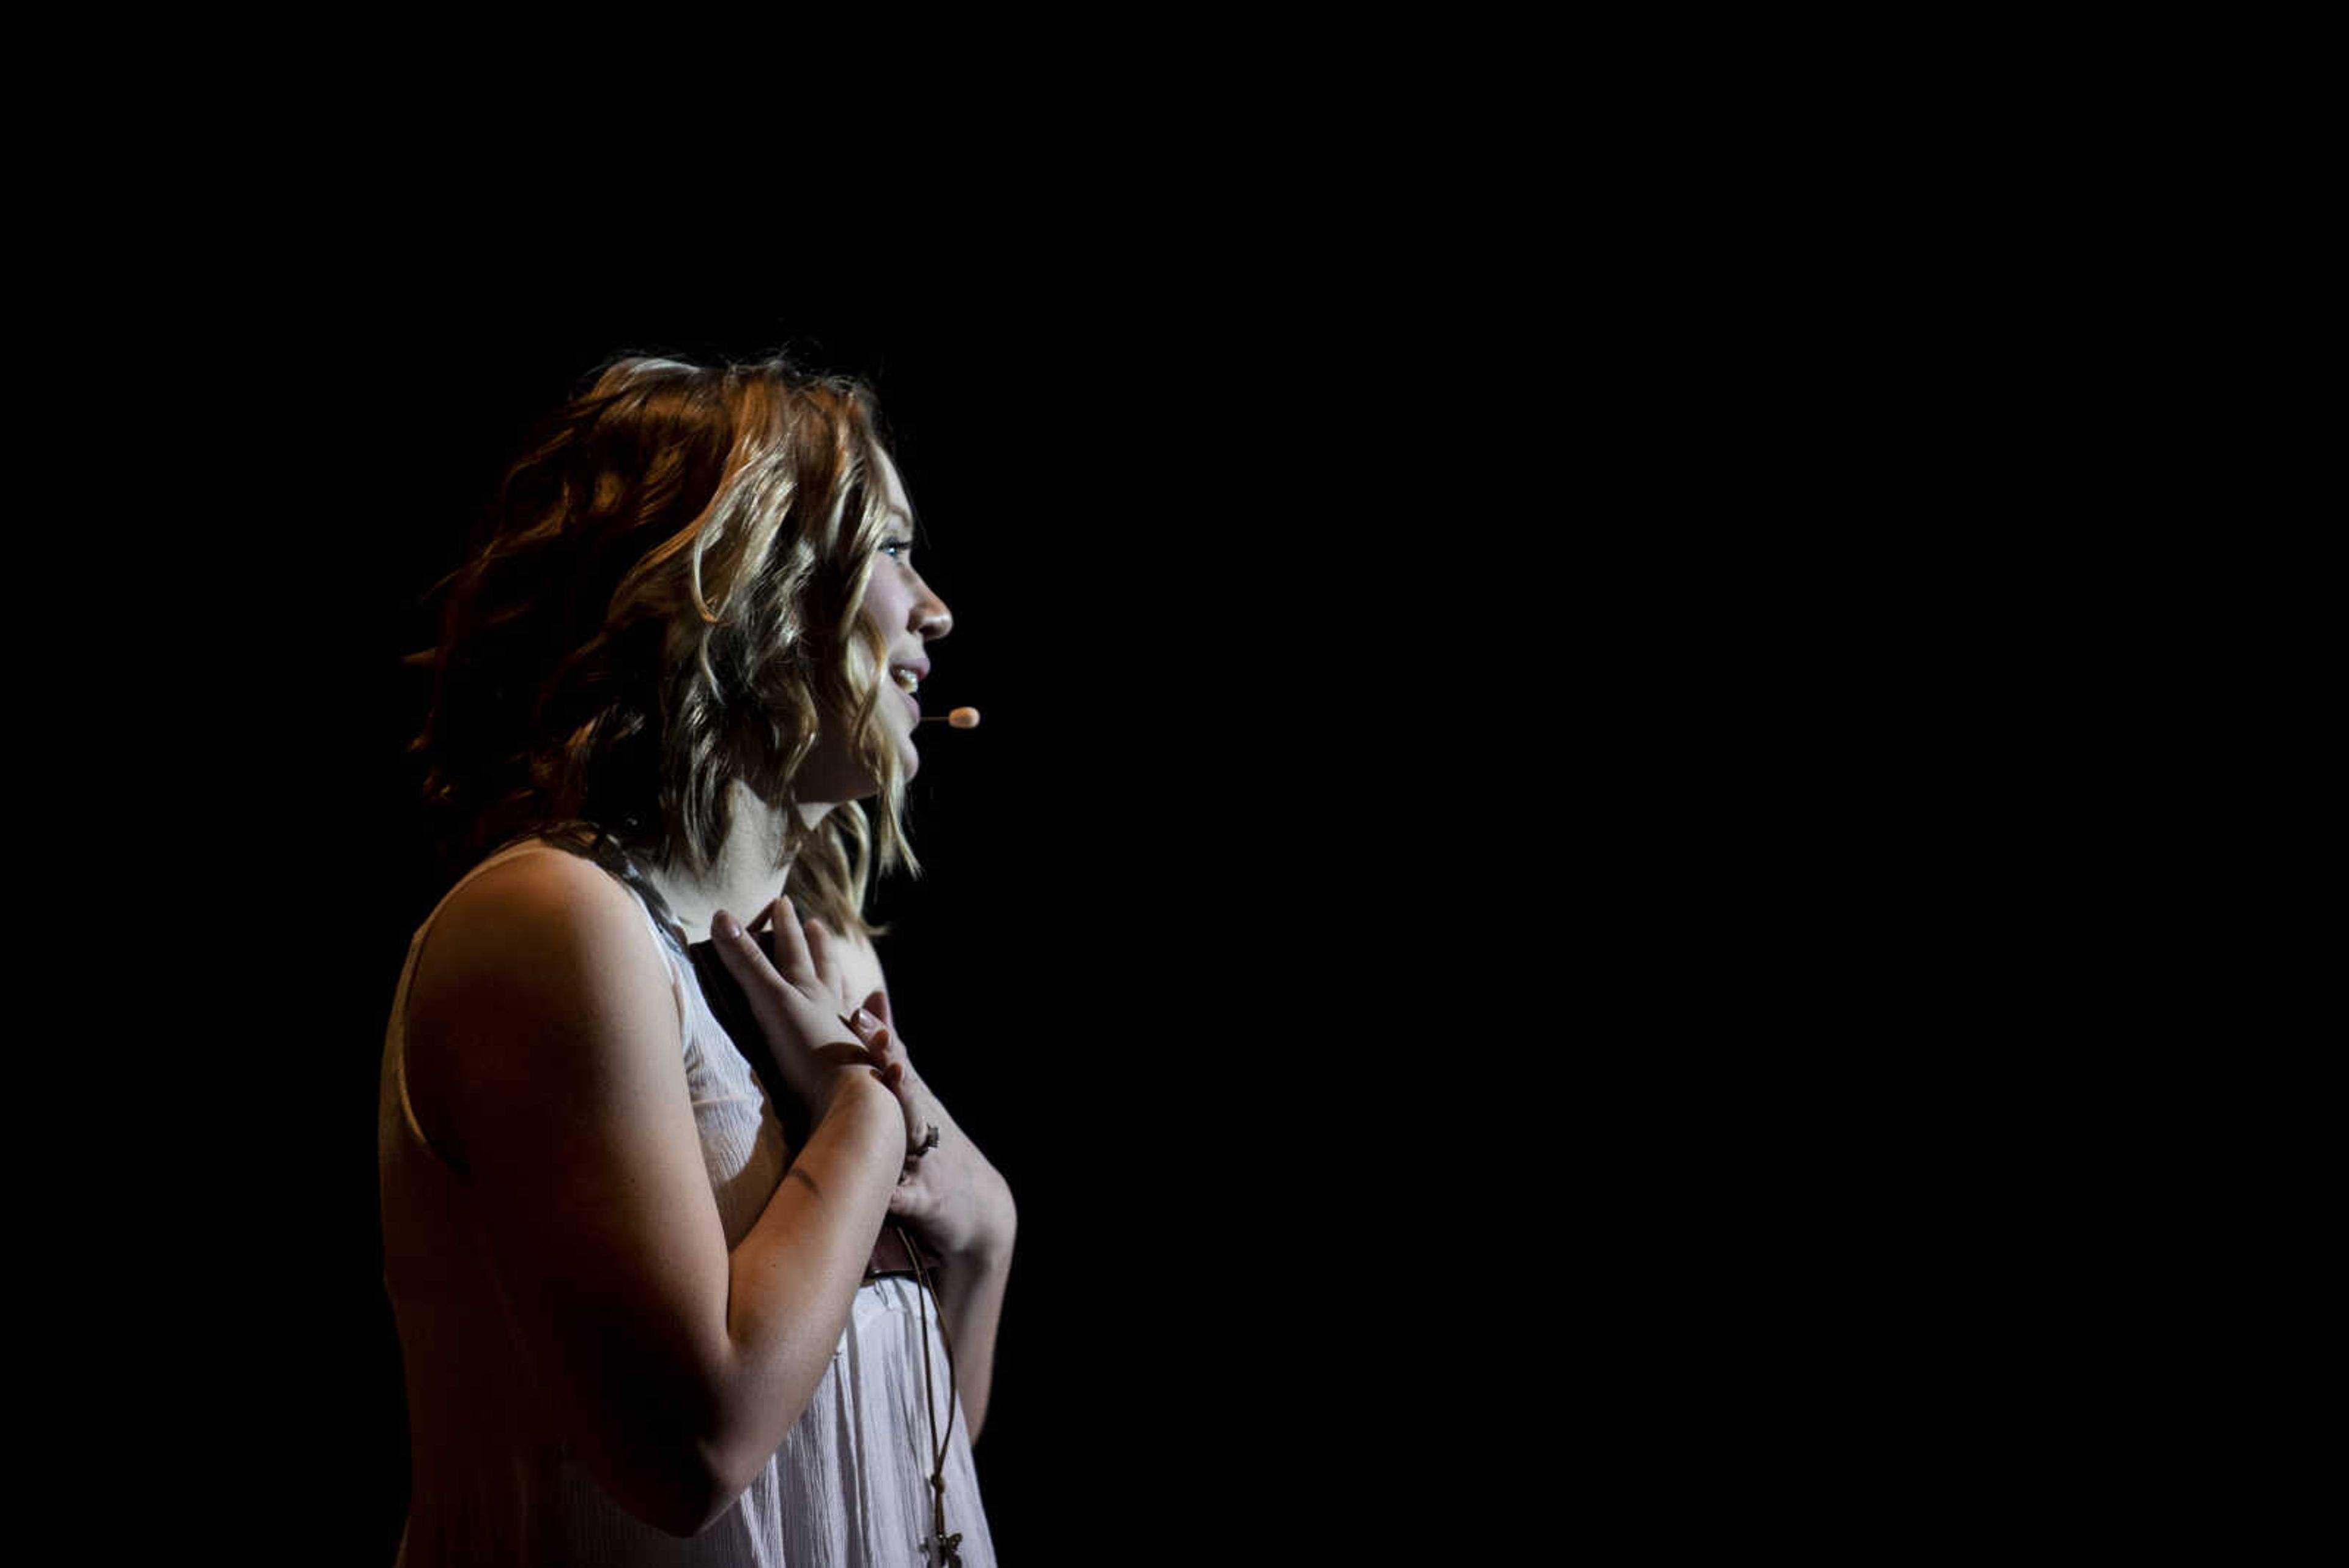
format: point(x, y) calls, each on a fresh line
point(929, 1399)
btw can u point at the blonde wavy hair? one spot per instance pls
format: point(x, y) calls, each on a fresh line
point(665, 599)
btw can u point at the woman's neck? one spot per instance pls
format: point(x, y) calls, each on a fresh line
point(744, 878)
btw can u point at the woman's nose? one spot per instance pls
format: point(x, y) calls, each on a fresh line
point(931, 617)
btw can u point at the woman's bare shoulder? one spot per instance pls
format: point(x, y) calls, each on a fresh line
point(540, 962)
point(543, 902)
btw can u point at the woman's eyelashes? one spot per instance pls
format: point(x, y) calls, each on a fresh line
point(897, 549)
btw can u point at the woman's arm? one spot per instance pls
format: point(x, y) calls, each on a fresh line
point(544, 1046)
point(955, 1200)
point(970, 1298)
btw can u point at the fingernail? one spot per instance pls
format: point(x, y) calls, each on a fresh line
point(866, 1024)
point(726, 925)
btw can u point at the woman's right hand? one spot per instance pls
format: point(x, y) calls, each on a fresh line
point(795, 1000)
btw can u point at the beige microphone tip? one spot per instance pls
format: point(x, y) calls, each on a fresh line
point(963, 718)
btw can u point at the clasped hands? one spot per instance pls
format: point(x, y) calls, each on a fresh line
point(950, 1194)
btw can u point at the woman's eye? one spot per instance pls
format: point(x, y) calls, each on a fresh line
point(896, 548)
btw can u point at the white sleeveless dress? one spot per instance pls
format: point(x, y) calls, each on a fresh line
point(491, 1481)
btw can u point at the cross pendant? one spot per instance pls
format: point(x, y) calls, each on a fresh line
point(945, 1546)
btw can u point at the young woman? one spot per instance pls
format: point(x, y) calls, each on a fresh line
point(642, 1319)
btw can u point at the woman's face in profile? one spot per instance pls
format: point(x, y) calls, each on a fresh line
point(908, 617)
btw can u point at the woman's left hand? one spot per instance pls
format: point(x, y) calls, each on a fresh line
point(951, 1197)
